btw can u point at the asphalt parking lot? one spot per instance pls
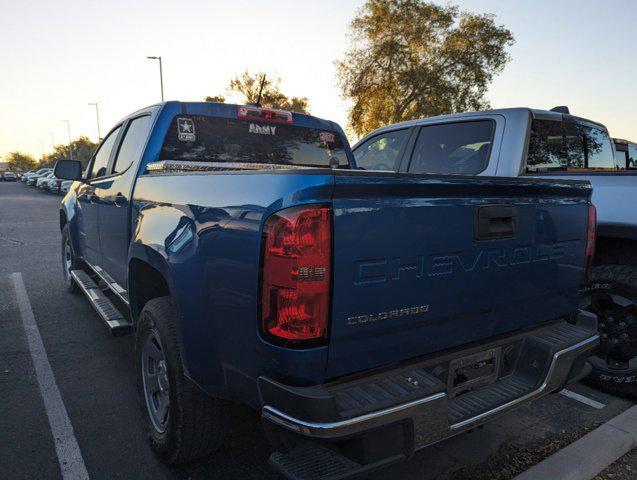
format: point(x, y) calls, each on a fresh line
point(95, 378)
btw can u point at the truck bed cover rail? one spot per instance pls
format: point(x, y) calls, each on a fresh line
point(193, 166)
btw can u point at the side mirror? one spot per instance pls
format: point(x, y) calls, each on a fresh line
point(68, 169)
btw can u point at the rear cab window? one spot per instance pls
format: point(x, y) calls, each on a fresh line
point(568, 146)
point(202, 138)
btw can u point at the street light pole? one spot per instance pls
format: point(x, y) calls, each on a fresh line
point(161, 75)
point(97, 114)
point(68, 127)
point(41, 149)
point(52, 141)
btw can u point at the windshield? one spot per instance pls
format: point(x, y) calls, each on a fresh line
point(211, 139)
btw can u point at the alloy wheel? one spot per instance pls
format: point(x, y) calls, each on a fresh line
point(617, 317)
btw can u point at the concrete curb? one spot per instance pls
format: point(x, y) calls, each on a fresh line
point(591, 454)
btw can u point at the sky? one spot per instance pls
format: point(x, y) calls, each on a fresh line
point(57, 56)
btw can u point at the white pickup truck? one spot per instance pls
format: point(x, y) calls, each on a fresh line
point(524, 142)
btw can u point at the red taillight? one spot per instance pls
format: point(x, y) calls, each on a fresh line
point(267, 114)
point(590, 242)
point(296, 275)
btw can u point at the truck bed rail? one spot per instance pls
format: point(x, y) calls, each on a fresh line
point(193, 166)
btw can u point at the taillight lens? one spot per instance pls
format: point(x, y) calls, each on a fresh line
point(590, 243)
point(296, 275)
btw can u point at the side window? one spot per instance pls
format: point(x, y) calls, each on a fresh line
point(381, 152)
point(621, 159)
point(133, 143)
point(632, 155)
point(569, 146)
point(100, 162)
point(460, 148)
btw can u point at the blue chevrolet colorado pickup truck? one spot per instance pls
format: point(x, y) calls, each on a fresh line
point(364, 314)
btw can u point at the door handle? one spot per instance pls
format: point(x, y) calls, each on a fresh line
point(495, 221)
point(120, 200)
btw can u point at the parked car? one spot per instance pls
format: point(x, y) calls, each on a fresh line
point(27, 175)
point(64, 187)
point(364, 314)
point(9, 177)
point(42, 182)
point(52, 184)
point(547, 144)
point(625, 154)
point(33, 178)
point(40, 178)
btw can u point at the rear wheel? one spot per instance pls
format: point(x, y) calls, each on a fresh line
point(612, 296)
point(183, 423)
point(68, 261)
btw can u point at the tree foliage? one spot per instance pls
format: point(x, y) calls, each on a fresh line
point(20, 161)
point(83, 149)
point(215, 98)
point(411, 59)
point(247, 86)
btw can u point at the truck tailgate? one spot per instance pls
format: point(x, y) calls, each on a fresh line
point(424, 263)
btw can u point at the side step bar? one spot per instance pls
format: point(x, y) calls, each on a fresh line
point(114, 320)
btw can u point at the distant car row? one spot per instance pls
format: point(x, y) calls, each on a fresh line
point(44, 179)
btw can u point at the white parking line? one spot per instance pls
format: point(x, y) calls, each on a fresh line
point(581, 398)
point(66, 447)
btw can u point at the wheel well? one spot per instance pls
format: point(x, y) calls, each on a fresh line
point(615, 251)
point(145, 283)
point(62, 219)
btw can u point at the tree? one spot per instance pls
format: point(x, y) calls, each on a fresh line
point(247, 86)
point(21, 161)
point(411, 59)
point(215, 98)
point(83, 149)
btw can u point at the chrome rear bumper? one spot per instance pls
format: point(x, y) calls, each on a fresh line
point(549, 359)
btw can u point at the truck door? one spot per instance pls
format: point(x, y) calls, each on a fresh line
point(114, 198)
point(88, 197)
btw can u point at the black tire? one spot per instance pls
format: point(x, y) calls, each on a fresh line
point(612, 296)
point(195, 422)
point(68, 265)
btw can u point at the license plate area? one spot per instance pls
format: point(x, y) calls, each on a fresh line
point(473, 371)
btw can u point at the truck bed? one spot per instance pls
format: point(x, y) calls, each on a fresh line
point(420, 263)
